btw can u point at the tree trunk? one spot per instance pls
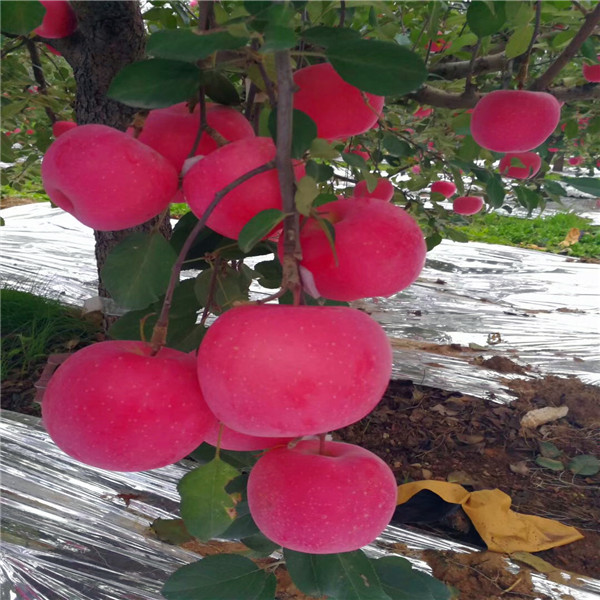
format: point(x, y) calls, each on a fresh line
point(110, 35)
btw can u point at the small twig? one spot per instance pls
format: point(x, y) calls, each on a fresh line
point(580, 8)
point(268, 84)
point(342, 13)
point(7, 51)
point(212, 286)
point(38, 74)
point(469, 87)
point(524, 70)
point(425, 25)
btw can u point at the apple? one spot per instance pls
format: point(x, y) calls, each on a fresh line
point(416, 169)
point(223, 166)
point(114, 406)
point(467, 205)
point(384, 190)
point(60, 127)
point(379, 247)
point(234, 440)
point(514, 120)
point(359, 151)
point(289, 371)
point(592, 72)
point(106, 179)
point(339, 109)
point(531, 165)
point(172, 131)
point(445, 188)
point(321, 503)
point(576, 160)
point(59, 21)
point(422, 113)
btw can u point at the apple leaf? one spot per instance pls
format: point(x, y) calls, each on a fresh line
point(401, 582)
point(171, 531)
point(243, 526)
point(396, 146)
point(220, 577)
point(495, 191)
point(519, 41)
point(258, 227)
point(319, 171)
point(205, 453)
point(21, 18)
point(549, 450)
point(188, 46)
point(485, 18)
point(138, 269)
point(155, 83)
point(306, 192)
point(219, 88)
point(230, 286)
point(553, 188)
point(325, 36)
point(304, 131)
point(345, 576)
point(270, 273)
point(433, 240)
point(207, 509)
point(260, 544)
point(588, 185)
point(585, 465)
point(377, 67)
point(6, 151)
point(549, 463)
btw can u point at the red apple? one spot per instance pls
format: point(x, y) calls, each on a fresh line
point(531, 165)
point(114, 406)
point(337, 501)
point(172, 131)
point(338, 108)
point(359, 151)
point(223, 166)
point(234, 440)
point(467, 205)
point(416, 169)
point(59, 21)
point(106, 179)
point(592, 72)
point(576, 160)
point(446, 188)
point(514, 120)
point(422, 113)
point(60, 127)
point(52, 50)
point(288, 371)
point(384, 190)
point(379, 247)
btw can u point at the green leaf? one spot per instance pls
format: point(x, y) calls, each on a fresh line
point(6, 151)
point(457, 236)
point(138, 269)
point(396, 146)
point(21, 18)
point(485, 18)
point(588, 185)
point(207, 509)
point(588, 49)
point(230, 286)
point(220, 577)
point(260, 544)
point(345, 576)
point(306, 191)
point(155, 83)
point(271, 273)
point(243, 526)
point(401, 582)
point(549, 463)
point(320, 148)
point(519, 41)
point(219, 88)
point(381, 68)
point(495, 191)
point(554, 188)
point(433, 240)
point(325, 36)
point(318, 171)
point(571, 129)
point(461, 125)
point(205, 453)
point(585, 465)
point(258, 227)
point(549, 450)
point(527, 198)
point(171, 531)
point(354, 160)
point(469, 149)
point(255, 7)
point(304, 131)
point(185, 45)
point(278, 37)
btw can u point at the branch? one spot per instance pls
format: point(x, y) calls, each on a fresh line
point(524, 71)
point(544, 80)
point(38, 74)
point(460, 69)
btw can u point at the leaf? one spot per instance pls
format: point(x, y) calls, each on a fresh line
point(554, 188)
point(205, 453)
point(231, 286)
point(207, 509)
point(171, 531)
point(588, 185)
point(433, 240)
point(519, 41)
point(549, 463)
point(243, 526)
point(271, 273)
point(304, 131)
point(395, 146)
point(219, 88)
point(325, 36)
point(530, 199)
point(401, 582)
point(549, 450)
point(381, 68)
point(6, 154)
point(258, 227)
point(585, 465)
point(461, 125)
point(138, 269)
point(539, 564)
point(345, 576)
point(354, 160)
point(318, 171)
point(485, 18)
point(21, 18)
point(588, 50)
point(185, 45)
point(307, 190)
point(260, 544)
point(155, 83)
point(495, 191)
point(320, 148)
point(220, 577)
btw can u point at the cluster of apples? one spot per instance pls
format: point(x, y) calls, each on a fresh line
point(266, 376)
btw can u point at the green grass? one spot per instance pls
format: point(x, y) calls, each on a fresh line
point(31, 189)
point(544, 233)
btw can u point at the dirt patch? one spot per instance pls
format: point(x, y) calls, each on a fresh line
point(8, 201)
point(501, 364)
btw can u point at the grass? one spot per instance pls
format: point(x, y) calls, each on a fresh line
point(543, 233)
point(30, 190)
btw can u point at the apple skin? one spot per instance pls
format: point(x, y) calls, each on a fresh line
point(592, 72)
point(172, 131)
point(531, 161)
point(337, 107)
point(114, 406)
point(223, 166)
point(59, 21)
point(289, 371)
point(576, 160)
point(327, 503)
point(60, 127)
point(467, 205)
point(106, 179)
point(380, 249)
point(240, 442)
point(514, 120)
point(384, 190)
point(446, 188)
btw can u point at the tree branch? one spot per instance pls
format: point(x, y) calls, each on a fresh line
point(546, 78)
point(460, 69)
point(38, 74)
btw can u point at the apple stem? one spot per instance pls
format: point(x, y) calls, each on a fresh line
point(219, 436)
point(159, 335)
point(211, 290)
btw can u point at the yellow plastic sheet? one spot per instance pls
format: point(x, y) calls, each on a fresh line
point(502, 529)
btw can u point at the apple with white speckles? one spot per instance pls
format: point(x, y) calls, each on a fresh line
point(288, 371)
point(234, 440)
point(384, 190)
point(337, 500)
point(114, 406)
